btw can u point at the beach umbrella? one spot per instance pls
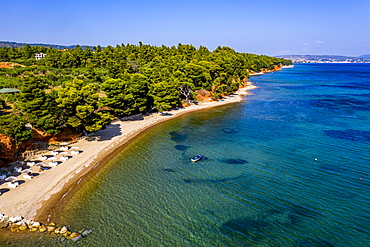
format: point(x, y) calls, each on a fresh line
point(11, 178)
point(27, 171)
point(52, 158)
point(63, 143)
point(74, 147)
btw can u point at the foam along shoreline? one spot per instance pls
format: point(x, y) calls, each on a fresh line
point(30, 199)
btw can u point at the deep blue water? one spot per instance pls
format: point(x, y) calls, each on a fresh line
point(289, 166)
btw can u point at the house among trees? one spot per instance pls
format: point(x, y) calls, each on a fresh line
point(38, 56)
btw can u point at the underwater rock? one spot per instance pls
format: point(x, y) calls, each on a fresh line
point(169, 170)
point(235, 161)
point(52, 229)
point(347, 103)
point(42, 228)
point(33, 229)
point(63, 230)
point(243, 226)
point(23, 226)
point(75, 236)
point(36, 224)
point(349, 134)
point(181, 147)
point(230, 131)
point(298, 212)
point(84, 233)
point(177, 137)
point(189, 180)
point(334, 168)
point(309, 242)
point(14, 228)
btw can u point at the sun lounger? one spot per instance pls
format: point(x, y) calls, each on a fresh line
point(26, 176)
point(13, 185)
point(64, 158)
point(53, 163)
point(43, 158)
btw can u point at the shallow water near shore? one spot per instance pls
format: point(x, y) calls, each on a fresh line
point(289, 166)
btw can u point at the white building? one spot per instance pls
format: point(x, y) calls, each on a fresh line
point(38, 56)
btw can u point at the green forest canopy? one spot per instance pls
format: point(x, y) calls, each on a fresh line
point(85, 89)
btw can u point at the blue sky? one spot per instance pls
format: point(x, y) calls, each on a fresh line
point(270, 27)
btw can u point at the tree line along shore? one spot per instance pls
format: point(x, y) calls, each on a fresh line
point(65, 93)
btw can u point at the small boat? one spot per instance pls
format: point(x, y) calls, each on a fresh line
point(197, 158)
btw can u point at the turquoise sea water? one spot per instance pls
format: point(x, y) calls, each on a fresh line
point(289, 166)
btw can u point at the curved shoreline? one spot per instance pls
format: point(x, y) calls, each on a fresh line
point(36, 199)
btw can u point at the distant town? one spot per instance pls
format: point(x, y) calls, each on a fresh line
point(326, 59)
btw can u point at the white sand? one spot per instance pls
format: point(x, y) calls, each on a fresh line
point(29, 197)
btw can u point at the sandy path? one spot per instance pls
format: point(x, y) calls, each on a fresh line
point(29, 197)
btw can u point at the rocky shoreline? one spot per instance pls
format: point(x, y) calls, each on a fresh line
point(17, 224)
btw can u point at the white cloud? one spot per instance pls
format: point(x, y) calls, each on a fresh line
point(319, 41)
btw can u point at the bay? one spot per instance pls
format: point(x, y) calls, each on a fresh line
point(288, 166)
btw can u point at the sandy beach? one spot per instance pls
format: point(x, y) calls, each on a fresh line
point(32, 198)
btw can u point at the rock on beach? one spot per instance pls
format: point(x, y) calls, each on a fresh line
point(17, 224)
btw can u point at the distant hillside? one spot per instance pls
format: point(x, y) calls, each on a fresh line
point(316, 57)
point(59, 47)
point(326, 59)
point(367, 56)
